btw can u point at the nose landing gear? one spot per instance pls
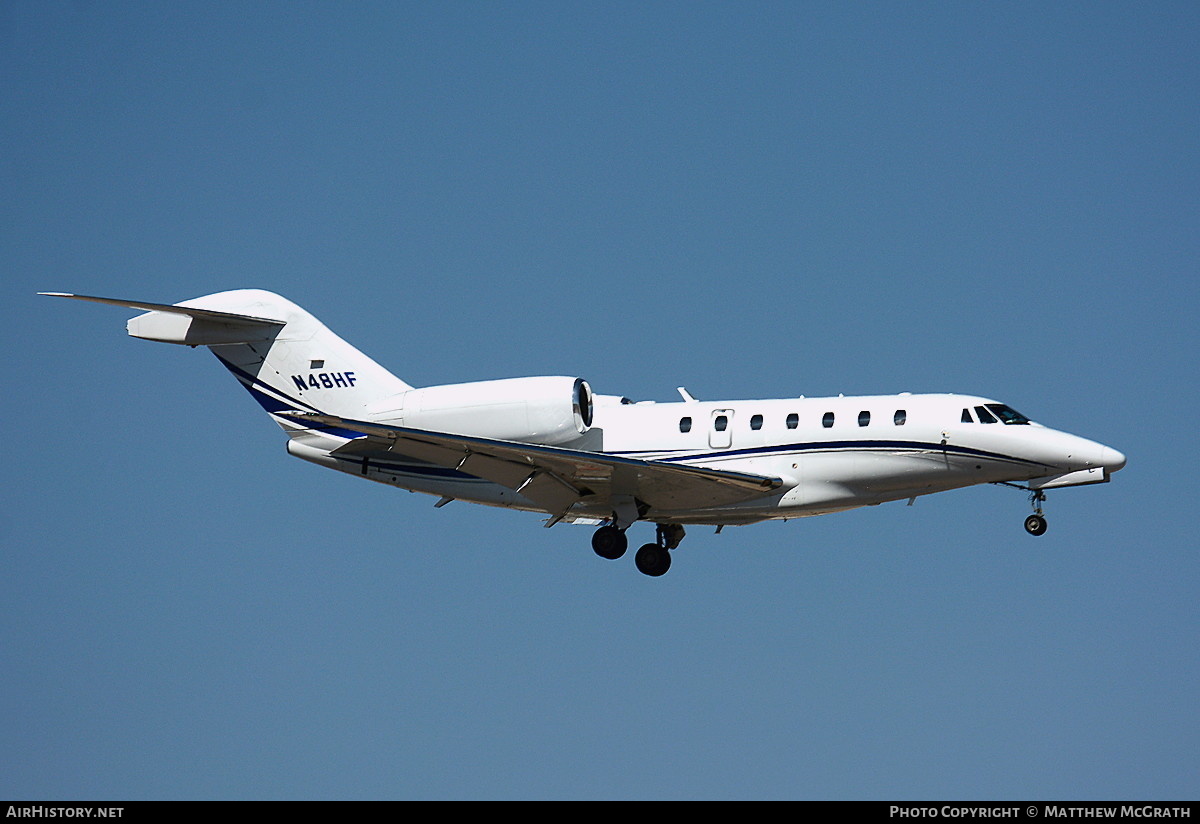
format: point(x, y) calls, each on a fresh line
point(1035, 524)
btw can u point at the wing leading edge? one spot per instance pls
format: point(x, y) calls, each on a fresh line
point(552, 477)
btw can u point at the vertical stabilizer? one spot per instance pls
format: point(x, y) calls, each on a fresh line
point(286, 358)
point(304, 366)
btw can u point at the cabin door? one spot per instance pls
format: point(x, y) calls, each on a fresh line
point(720, 432)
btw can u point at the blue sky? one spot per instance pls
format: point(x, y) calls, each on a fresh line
point(751, 200)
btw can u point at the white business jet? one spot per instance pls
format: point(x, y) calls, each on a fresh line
point(550, 445)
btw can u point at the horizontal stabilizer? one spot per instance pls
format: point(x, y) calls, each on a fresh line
point(189, 325)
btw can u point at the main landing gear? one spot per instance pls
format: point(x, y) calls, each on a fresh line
point(654, 559)
point(609, 542)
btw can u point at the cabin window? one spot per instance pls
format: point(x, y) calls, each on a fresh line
point(900, 417)
point(827, 420)
point(756, 421)
point(793, 420)
point(864, 418)
point(685, 424)
point(984, 415)
point(966, 416)
point(721, 423)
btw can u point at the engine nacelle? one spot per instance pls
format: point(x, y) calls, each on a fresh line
point(550, 410)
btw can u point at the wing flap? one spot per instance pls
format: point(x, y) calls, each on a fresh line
point(553, 477)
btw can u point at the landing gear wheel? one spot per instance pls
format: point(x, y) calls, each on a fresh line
point(653, 560)
point(1035, 525)
point(609, 542)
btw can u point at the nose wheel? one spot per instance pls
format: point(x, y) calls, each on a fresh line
point(1035, 524)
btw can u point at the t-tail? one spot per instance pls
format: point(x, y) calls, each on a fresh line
point(286, 358)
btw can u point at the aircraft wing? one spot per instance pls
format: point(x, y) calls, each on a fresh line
point(554, 478)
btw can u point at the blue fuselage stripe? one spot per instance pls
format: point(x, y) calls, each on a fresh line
point(830, 446)
point(274, 405)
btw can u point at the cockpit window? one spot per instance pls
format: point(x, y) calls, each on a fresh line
point(984, 415)
point(1007, 414)
point(966, 416)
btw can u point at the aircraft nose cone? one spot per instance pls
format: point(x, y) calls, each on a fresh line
point(1111, 459)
